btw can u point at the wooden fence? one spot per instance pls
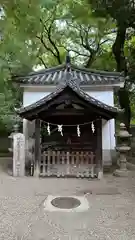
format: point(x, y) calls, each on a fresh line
point(62, 164)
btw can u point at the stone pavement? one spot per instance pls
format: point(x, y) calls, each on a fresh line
point(111, 214)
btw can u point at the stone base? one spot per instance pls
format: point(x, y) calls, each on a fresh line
point(121, 173)
point(100, 175)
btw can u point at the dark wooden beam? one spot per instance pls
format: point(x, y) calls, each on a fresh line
point(64, 112)
point(31, 115)
point(69, 120)
point(37, 148)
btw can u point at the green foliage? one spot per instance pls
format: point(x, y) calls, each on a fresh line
point(40, 32)
point(116, 9)
point(123, 13)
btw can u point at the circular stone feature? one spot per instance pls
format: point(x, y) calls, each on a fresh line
point(65, 202)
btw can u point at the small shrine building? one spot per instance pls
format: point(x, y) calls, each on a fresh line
point(70, 113)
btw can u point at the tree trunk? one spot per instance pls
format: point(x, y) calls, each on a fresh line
point(118, 51)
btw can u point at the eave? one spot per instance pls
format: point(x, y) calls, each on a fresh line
point(32, 111)
point(84, 77)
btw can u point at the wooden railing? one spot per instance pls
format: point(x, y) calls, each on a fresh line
point(61, 164)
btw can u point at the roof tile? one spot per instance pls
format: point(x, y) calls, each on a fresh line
point(83, 76)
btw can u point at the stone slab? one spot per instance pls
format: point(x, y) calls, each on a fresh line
point(121, 173)
point(84, 206)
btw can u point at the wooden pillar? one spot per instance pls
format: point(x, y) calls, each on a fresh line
point(37, 148)
point(99, 146)
point(25, 132)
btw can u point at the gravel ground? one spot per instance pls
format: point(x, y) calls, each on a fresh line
point(111, 214)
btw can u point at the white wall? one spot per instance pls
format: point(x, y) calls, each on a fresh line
point(108, 141)
point(103, 96)
point(108, 127)
point(32, 95)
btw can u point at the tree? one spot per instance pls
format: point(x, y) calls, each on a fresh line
point(40, 33)
point(37, 33)
point(123, 12)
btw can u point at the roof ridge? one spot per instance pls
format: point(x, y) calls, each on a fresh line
point(83, 76)
point(45, 70)
point(42, 71)
point(97, 72)
point(73, 67)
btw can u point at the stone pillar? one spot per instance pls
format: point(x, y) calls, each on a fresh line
point(29, 132)
point(11, 136)
point(18, 155)
point(123, 148)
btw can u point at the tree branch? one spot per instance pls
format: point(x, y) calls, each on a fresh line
point(53, 44)
point(42, 61)
point(106, 40)
point(45, 46)
point(75, 51)
point(89, 61)
point(48, 32)
point(93, 54)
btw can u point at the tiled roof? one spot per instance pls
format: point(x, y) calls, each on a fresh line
point(72, 84)
point(54, 76)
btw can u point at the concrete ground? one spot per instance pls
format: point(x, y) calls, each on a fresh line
point(111, 214)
